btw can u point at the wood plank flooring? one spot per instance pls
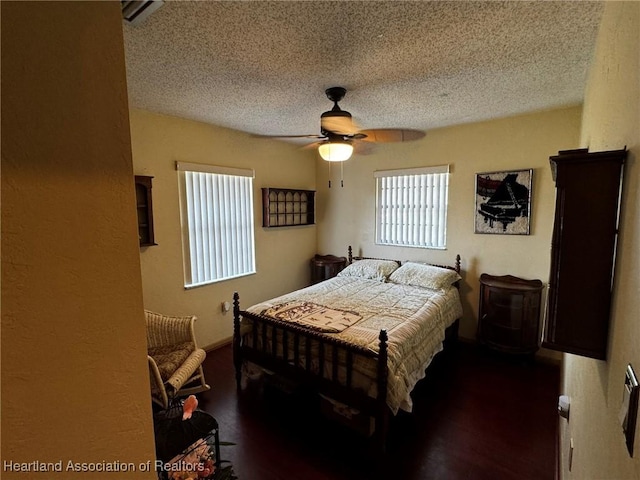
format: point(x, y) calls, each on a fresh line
point(476, 415)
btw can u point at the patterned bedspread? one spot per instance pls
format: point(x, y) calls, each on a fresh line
point(415, 319)
point(314, 316)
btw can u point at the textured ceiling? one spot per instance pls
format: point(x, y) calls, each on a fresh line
point(262, 67)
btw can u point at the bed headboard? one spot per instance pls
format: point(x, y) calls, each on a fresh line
point(352, 258)
point(455, 267)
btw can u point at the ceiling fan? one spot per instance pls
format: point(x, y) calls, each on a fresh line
point(339, 134)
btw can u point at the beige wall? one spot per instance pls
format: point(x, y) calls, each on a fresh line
point(522, 142)
point(345, 215)
point(611, 121)
point(282, 254)
point(72, 327)
point(75, 383)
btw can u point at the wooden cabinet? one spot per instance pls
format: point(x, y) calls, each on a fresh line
point(324, 267)
point(285, 207)
point(583, 250)
point(145, 210)
point(509, 313)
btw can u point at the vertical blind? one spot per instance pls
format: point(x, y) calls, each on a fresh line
point(411, 206)
point(217, 222)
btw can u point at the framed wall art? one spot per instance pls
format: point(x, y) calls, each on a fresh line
point(503, 202)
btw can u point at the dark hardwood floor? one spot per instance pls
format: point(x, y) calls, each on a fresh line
point(476, 415)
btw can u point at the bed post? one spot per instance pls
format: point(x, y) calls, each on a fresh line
point(237, 357)
point(451, 333)
point(382, 416)
point(350, 255)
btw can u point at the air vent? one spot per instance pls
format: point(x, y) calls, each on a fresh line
point(135, 12)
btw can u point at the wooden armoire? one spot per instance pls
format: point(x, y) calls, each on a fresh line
point(583, 247)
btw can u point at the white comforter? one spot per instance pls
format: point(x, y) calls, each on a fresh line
point(415, 319)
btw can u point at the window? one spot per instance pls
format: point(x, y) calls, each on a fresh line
point(216, 206)
point(411, 207)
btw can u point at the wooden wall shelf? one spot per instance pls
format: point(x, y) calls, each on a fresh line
point(145, 210)
point(285, 207)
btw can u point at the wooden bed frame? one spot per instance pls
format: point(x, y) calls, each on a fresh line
point(294, 342)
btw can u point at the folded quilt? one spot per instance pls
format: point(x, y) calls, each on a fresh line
point(314, 316)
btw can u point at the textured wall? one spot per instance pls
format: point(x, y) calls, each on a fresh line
point(347, 215)
point(282, 254)
point(611, 121)
point(75, 384)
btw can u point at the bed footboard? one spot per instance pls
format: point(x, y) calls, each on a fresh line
point(312, 359)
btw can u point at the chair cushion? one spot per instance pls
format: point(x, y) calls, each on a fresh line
point(169, 358)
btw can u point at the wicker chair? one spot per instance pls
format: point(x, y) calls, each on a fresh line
point(175, 361)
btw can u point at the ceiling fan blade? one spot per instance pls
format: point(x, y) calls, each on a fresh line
point(363, 148)
point(339, 125)
point(390, 135)
point(289, 136)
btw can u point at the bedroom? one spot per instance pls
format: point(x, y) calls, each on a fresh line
point(525, 141)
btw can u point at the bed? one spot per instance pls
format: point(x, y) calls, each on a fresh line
point(361, 340)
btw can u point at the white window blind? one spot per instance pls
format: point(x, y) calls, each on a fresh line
point(411, 207)
point(217, 222)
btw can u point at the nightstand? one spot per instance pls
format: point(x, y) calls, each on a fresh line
point(509, 313)
point(324, 267)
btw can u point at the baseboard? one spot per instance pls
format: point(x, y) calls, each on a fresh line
point(543, 355)
point(222, 343)
point(467, 340)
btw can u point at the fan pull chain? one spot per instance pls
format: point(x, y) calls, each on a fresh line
point(341, 174)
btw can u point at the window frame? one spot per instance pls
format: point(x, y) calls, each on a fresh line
point(436, 241)
point(242, 212)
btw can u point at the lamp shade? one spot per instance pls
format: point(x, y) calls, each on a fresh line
point(335, 151)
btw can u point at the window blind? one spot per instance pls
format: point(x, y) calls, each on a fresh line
point(411, 206)
point(217, 222)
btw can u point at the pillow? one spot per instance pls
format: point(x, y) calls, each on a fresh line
point(370, 268)
point(427, 276)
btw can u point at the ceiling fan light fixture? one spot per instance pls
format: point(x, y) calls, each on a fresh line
point(335, 151)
